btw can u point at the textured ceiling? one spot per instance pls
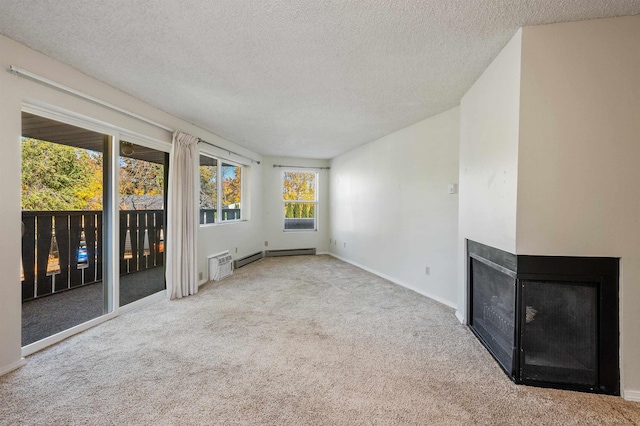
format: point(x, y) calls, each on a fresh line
point(298, 78)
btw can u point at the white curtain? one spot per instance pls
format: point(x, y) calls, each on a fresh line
point(182, 218)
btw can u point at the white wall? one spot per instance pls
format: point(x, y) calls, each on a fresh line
point(489, 128)
point(579, 156)
point(239, 238)
point(16, 90)
point(10, 302)
point(273, 208)
point(390, 209)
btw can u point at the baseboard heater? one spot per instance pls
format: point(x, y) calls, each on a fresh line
point(292, 252)
point(239, 263)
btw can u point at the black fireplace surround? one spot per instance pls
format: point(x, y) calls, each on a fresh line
point(548, 321)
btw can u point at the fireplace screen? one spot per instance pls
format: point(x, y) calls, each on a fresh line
point(547, 320)
point(494, 311)
point(559, 332)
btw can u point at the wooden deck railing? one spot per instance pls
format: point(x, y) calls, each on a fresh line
point(62, 250)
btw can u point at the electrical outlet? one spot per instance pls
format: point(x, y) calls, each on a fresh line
point(236, 250)
point(427, 270)
point(266, 243)
point(200, 276)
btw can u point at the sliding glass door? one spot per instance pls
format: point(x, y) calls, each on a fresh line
point(93, 221)
point(142, 173)
point(64, 179)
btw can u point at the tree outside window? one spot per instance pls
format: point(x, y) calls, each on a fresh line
point(299, 193)
point(227, 206)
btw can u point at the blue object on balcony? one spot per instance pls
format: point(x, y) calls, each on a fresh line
point(82, 253)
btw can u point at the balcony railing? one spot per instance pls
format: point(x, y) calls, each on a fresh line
point(62, 250)
point(209, 215)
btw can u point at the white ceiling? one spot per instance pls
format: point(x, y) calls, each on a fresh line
point(303, 78)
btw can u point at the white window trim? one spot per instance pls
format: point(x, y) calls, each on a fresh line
point(218, 221)
point(315, 200)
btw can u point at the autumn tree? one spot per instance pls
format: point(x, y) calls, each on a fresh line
point(231, 184)
point(60, 177)
point(299, 186)
point(208, 187)
point(141, 183)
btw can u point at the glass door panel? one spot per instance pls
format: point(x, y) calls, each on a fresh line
point(62, 226)
point(142, 178)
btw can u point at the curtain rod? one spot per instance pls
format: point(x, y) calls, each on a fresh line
point(228, 150)
point(38, 78)
point(35, 77)
point(302, 167)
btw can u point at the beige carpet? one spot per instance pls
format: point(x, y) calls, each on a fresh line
point(297, 341)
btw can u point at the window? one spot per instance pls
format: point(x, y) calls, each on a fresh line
point(299, 194)
point(220, 191)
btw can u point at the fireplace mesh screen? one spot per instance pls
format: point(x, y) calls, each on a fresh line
point(494, 311)
point(559, 332)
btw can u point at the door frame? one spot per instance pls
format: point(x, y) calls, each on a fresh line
point(111, 274)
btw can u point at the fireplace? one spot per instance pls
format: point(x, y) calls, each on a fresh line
point(547, 320)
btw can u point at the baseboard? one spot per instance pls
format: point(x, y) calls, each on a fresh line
point(13, 366)
point(322, 252)
point(201, 282)
point(396, 281)
point(632, 395)
point(460, 317)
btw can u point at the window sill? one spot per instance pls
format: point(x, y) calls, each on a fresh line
point(226, 222)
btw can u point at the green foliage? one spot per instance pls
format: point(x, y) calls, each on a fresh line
point(60, 177)
point(139, 177)
point(299, 210)
point(289, 210)
point(299, 186)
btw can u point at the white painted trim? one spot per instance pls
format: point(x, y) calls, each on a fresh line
point(322, 252)
point(56, 338)
point(155, 297)
point(631, 395)
point(460, 317)
point(203, 282)
point(52, 112)
point(24, 73)
point(398, 282)
point(13, 366)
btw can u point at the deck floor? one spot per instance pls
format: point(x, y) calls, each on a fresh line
point(49, 315)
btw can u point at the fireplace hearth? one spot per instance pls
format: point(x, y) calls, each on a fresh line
point(548, 321)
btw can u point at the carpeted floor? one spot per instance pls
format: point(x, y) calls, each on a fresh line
point(292, 340)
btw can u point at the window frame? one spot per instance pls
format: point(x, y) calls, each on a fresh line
point(219, 163)
point(314, 201)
